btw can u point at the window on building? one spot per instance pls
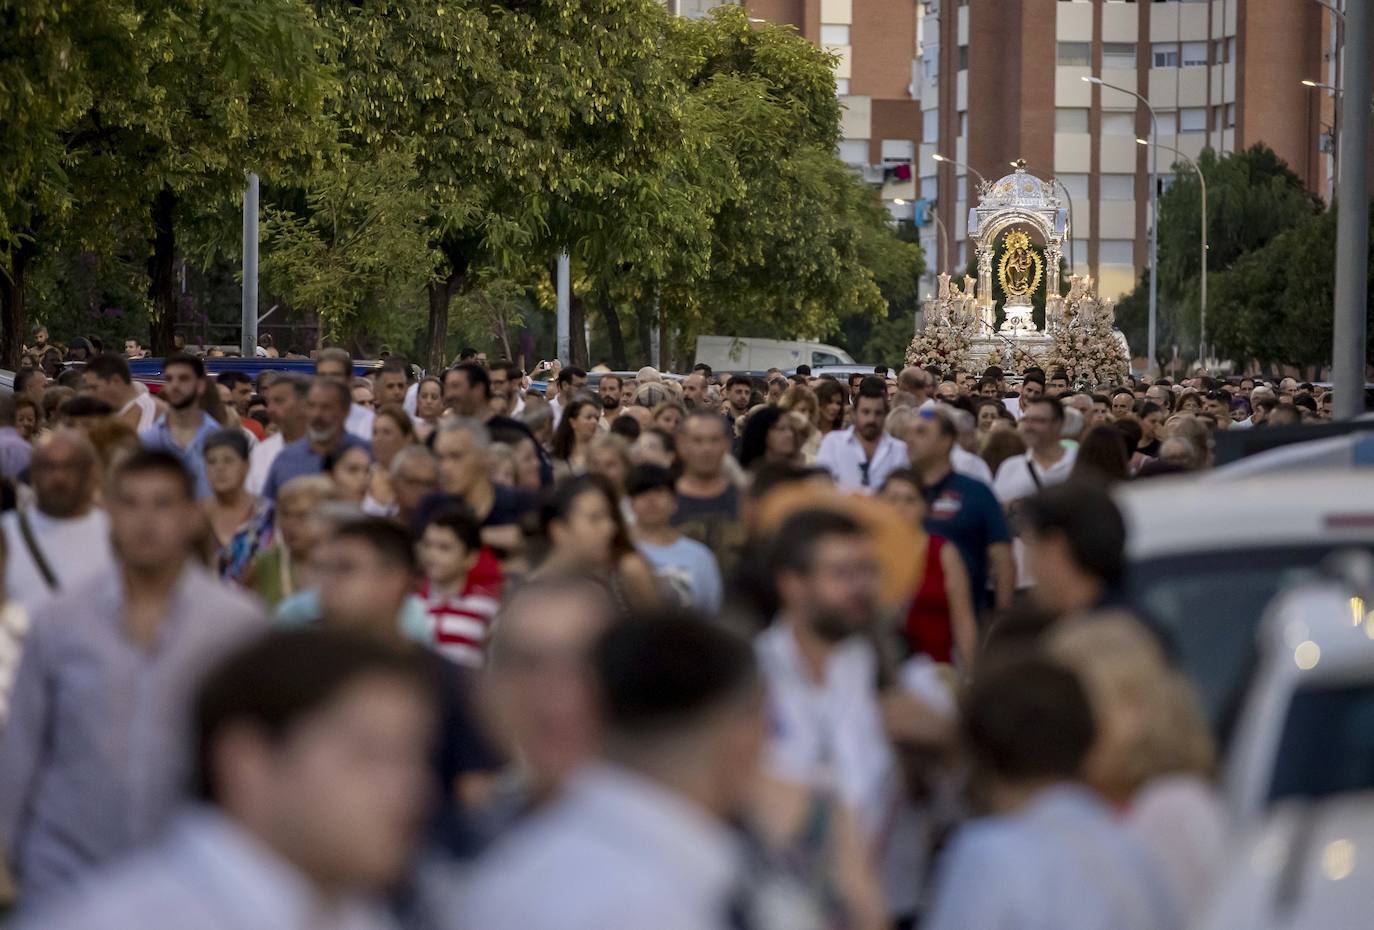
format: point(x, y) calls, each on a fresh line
point(930, 188)
point(1071, 119)
point(834, 35)
point(1075, 53)
point(1192, 119)
point(930, 64)
point(842, 87)
point(963, 123)
point(854, 151)
point(1165, 54)
point(1231, 48)
point(1194, 54)
point(1116, 252)
point(1230, 116)
point(963, 58)
point(930, 126)
point(1118, 124)
point(898, 151)
point(1116, 187)
point(1077, 186)
point(1118, 54)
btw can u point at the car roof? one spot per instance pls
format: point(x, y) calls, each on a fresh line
point(1332, 452)
point(1179, 516)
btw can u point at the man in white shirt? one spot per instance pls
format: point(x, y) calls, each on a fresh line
point(640, 840)
point(337, 365)
point(829, 740)
point(570, 382)
point(63, 540)
point(861, 457)
point(1052, 855)
point(1045, 462)
point(312, 790)
point(106, 377)
point(286, 409)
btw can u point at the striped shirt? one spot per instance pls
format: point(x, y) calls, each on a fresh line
point(461, 623)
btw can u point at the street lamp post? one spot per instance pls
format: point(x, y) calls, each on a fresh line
point(1154, 211)
point(1069, 197)
point(1352, 221)
point(1202, 182)
point(982, 181)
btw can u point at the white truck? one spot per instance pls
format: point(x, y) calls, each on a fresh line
point(726, 353)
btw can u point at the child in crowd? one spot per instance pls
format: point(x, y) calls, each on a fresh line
point(461, 587)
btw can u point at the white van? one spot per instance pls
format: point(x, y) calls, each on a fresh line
point(726, 353)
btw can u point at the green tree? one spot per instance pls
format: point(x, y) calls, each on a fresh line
point(357, 252)
point(1252, 197)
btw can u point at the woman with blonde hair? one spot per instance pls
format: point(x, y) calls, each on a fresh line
point(801, 400)
point(668, 416)
point(1154, 757)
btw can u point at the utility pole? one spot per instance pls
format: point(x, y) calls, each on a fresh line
point(248, 341)
point(564, 308)
point(1352, 221)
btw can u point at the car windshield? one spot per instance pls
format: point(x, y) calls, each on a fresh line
point(1210, 605)
point(1328, 744)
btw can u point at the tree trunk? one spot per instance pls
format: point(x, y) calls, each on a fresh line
point(12, 315)
point(618, 359)
point(436, 334)
point(162, 275)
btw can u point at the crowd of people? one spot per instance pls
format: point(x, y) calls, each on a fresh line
point(334, 651)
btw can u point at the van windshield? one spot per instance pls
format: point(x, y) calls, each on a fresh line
point(1328, 744)
point(1210, 605)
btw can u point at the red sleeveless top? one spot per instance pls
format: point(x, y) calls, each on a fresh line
point(927, 621)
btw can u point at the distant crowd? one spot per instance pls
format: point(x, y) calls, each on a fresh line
point(335, 649)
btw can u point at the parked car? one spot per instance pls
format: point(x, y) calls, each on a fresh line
point(250, 366)
point(726, 353)
point(1300, 775)
point(1206, 559)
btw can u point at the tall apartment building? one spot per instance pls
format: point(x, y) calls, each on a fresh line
point(1003, 79)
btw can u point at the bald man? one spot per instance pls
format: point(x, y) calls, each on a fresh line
point(63, 539)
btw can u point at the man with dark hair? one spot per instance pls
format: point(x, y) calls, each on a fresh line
point(804, 370)
point(32, 383)
point(467, 392)
point(1057, 384)
point(1028, 727)
point(681, 710)
point(62, 539)
point(1279, 414)
point(828, 733)
point(467, 354)
point(856, 378)
point(963, 510)
point(240, 397)
point(106, 377)
point(1032, 388)
point(701, 368)
point(336, 364)
point(684, 566)
point(708, 503)
point(1045, 462)
point(738, 392)
point(366, 572)
point(1100, 413)
point(1075, 548)
point(311, 750)
point(183, 429)
point(608, 390)
point(505, 380)
point(861, 457)
point(326, 411)
point(393, 381)
point(571, 381)
point(84, 781)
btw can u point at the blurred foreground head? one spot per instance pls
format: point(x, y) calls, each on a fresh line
point(317, 742)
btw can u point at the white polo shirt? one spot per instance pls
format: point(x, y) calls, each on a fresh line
point(842, 454)
point(1014, 481)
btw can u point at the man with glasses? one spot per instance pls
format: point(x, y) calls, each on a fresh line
point(861, 457)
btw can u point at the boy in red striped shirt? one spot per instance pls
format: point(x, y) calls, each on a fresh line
point(462, 585)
